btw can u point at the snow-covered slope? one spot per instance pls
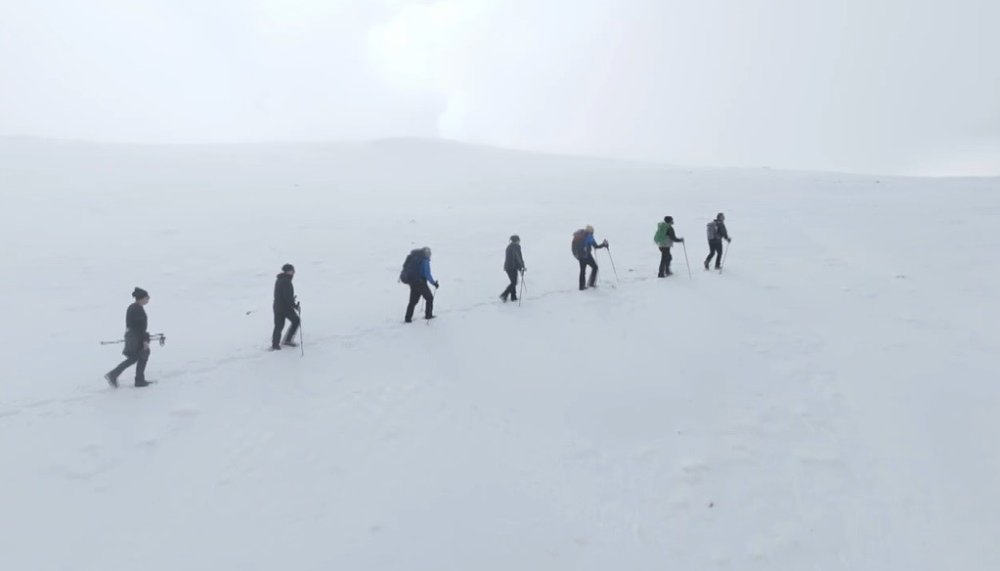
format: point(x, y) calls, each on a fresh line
point(830, 402)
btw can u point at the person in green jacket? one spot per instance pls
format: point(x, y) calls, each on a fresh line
point(665, 238)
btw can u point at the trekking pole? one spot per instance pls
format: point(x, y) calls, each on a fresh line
point(612, 258)
point(724, 254)
point(434, 296)
point(302, 336)
point(521, 297)
point(688, 264)
point(154, 337)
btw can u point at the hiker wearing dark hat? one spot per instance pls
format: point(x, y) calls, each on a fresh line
point(285, 307)
point(582, 246)
point(136, 349)
point(716, 234)
point(665, 238)
point(513, 264)
point(417, 274)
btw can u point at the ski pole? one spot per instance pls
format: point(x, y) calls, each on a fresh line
point(686, 260)
point(612, 258)
point(724, 254)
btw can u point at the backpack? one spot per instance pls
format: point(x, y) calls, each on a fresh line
point(411, 266)
point(577, 245)
point(661, 233)
point(713, 230)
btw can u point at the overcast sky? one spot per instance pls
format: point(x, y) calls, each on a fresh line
point(897, 86)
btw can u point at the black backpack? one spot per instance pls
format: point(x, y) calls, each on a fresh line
point(577, 245)
point(411, 266)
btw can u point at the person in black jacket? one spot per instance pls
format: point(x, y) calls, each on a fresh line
point(717, 232)
point(136, 341)
point(513, 263)
point(285, 307)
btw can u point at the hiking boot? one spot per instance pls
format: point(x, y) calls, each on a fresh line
point(503, 298)
point(408, 320)
point(661, 275)
point(276, 347)
point(429, 317)
point(111, 380)
point(141, 383)
point(706, 265)
point(289, 343)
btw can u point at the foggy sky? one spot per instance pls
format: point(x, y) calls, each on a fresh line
point(895, 86)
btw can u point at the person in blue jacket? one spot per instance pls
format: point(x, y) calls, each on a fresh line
point(417, 274)
point(583, 245)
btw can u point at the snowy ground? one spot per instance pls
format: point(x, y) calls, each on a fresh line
point(830, 402)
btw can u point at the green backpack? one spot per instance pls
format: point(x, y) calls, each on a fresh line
point(661, 233)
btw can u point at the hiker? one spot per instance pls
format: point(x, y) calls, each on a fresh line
point(417, 274)
point(285, 308)
point(716, 234)
point(665, 238)
point(513, 263)
point(136, 349)
point(583, 242)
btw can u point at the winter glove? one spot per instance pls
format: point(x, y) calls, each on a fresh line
point(729, 240)
point(437, 285)
point(605, 244)
point(297, 306)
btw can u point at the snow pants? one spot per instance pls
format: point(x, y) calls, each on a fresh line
point(584, 262)
point(280, 315)
point(138, 359)
point(418, 290)
point(714, 249)
point(665, 259)
point(511, 290)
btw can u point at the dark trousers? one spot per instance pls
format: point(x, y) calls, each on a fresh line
point(511, 290)
point(418, 290)
point(280, 315)
point(714, 249)
point(584, 262)
point(139, 359)
point(665, 258)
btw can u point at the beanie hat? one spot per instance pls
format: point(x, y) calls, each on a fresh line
point(288, 268)
point(515, 238)
point(140, 293)
point(720, 216)
point(668, 219)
